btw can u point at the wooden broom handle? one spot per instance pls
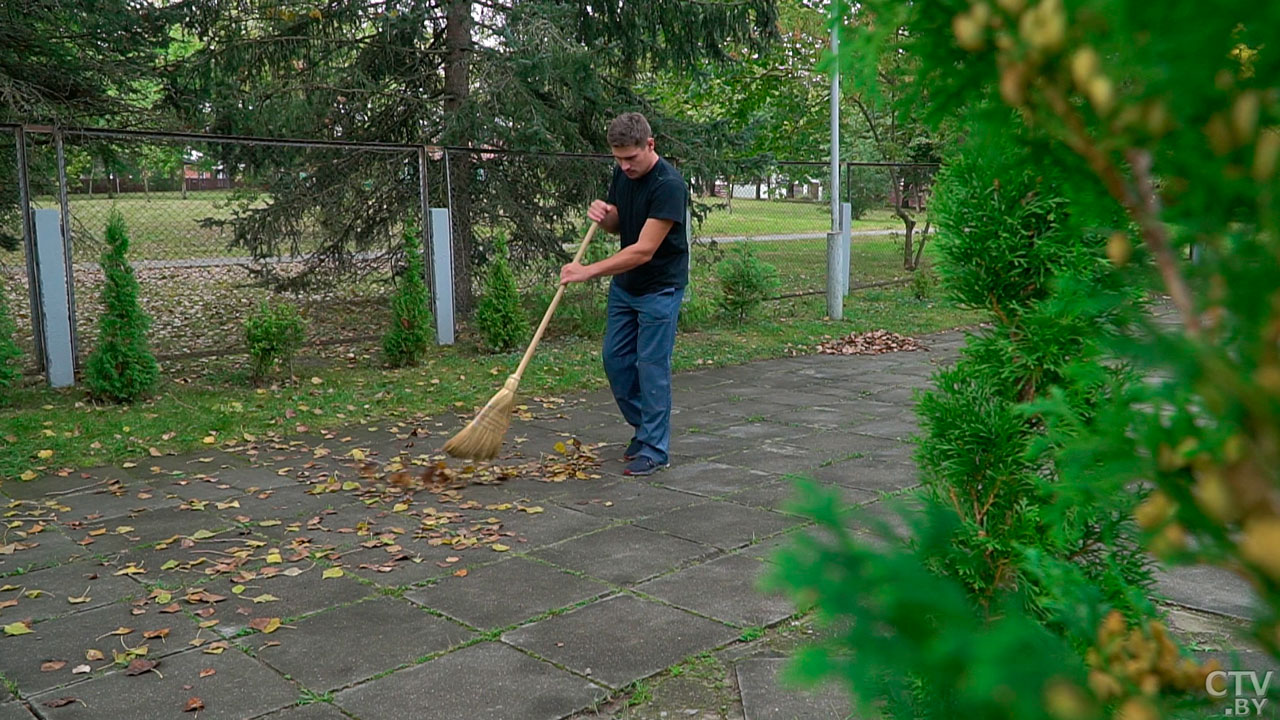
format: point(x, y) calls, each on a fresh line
point(551, 309)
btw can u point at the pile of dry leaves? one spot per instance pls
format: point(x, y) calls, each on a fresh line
point(870, 343)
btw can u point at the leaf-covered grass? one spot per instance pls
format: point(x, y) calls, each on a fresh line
point(347, 387)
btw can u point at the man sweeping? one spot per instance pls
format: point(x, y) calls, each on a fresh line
point(645, 206)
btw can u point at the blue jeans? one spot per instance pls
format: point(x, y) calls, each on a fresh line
point(638, 340)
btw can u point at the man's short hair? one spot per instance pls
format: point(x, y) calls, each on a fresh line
point(629, 130)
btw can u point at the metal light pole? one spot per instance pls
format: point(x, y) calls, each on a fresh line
point(835, 288)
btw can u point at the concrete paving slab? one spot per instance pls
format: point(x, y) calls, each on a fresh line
point(52, 586)
point(625, 554)
point(345, 645)
point(599, 641)
point(15, 711)
point(164, 694)
point(711, 479)
point(633, 500)
point(313, 711)
point(765, 697)
point(1210, 589)
point(41, 550)
point(506, 593)
point(721, 524)
point(726, 588)
point(488, 680)
point(67, 639)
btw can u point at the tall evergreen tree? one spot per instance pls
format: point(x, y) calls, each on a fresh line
point(518, 74)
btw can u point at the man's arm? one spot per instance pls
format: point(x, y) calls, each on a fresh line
point(632, 256)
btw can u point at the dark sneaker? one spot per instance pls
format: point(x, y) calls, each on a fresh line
point(633, 450)
point(644, 465)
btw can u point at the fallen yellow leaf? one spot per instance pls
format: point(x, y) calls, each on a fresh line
point(335, 572)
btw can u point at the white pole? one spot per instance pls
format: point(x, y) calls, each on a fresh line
point(835, 284)
point(835, 126)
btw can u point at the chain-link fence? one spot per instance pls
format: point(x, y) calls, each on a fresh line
point(891, 231)
point(218, 226)
point(15, 276)
point(784, 210)
point(532, 206)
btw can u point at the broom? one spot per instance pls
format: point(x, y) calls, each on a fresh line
point(482, 437)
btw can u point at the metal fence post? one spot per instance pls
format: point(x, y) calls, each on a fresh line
point(846, 245)
point(29, 245)
point(55, 299)
point(442, 250)
point(835, 292)
point(424, 213)
point(66, 240)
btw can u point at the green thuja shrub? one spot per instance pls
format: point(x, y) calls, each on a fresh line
point(1012, 243)
point(409, 337)
point(10, 353)
point(121, 367)
point(274, 333)
point(746, 281)
point(499, 316)
point(1082, 432)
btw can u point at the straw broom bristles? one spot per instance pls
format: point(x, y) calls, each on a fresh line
point(482, 437)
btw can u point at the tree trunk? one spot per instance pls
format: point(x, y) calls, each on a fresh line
point(907, 256)
point(146, 187)
point(757, 189)
point(924, 238)
point(457, 86)
point(908, 222)
point(183, 179)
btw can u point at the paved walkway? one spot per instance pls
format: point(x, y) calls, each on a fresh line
point(287, 572)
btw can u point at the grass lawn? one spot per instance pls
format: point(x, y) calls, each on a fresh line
point(209, 402)
point(802, 264)
point(776, 217)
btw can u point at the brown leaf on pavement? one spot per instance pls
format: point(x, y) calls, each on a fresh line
point(139, 666)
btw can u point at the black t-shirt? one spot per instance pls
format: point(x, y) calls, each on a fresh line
point(662, 194)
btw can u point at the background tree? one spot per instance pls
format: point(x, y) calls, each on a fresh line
point(520, 74)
